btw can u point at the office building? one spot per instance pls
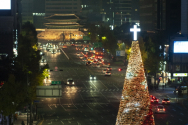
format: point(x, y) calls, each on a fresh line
point(160, 15)
point(178, 47)
point(122, 9)
point(39, 13)
point(9, 28)
point(62, 7)
point(27, 10)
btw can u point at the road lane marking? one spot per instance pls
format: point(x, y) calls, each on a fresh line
point(62, 105)
point(105, 97)
point(49, 106)
point(85, 102)
point(115, 86)
point(65, 54)
point(102, 83)
point(62, 122)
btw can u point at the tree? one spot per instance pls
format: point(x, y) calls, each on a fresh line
point(93, 32)
point(13, 96)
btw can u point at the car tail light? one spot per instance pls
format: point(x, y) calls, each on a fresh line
point(168, 101)
point(157, 100)
point(158, 109)
point(164, 109)
point(163, 101)
point(152, 100)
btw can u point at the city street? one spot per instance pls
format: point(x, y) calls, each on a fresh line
point(95, 102)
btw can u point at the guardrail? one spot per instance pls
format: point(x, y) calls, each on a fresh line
point(49, 91)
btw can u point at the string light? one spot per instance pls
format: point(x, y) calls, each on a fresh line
point(135, 102)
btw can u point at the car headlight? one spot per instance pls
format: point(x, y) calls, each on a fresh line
point(67, 82)
point(72, 82)
point(94, 77)
point(90, 77)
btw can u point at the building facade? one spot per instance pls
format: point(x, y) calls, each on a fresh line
point(178, 48)
point(9, 28)
point(122, 9)
point(160, 15)
point(27, 10)
point(62, 7)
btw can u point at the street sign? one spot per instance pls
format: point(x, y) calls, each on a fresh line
point(120, 53)
point(97, 44)
point(56, 82)
point(117, 53)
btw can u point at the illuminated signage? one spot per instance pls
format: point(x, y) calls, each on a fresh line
point(135, 30)
point(180, 46)
point(38, 14)
point(5, 4)
point(179, 74)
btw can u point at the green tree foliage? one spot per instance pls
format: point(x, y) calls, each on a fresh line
point(93, 32)
point(13, 96)
point(144, 53)
point(105, 36)
point(27, 61)
point(154, 58)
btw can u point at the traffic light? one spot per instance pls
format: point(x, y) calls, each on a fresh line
point(120, 69)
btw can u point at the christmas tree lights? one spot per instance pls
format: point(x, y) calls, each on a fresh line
point(135, 102)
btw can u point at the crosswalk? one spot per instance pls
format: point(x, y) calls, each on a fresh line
point(92, 90)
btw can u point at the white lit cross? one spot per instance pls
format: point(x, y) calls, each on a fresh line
point(135, 30)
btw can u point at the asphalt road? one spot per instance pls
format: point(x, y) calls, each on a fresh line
point(95, 102)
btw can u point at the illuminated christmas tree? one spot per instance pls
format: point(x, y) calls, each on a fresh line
point(135, 103)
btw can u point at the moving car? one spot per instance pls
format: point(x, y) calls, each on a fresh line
point(70, 81)
point(166, 101)
point(64, 46)
point(108, 73)
point(92, 77)
point(53, 51)
point(154, 100)
point(81, 57)
point(104, 70)
point(98, 65)
point(88, 63)
point(109, 68)
point(78, 54)
point(95, 62)
point(160, 109)
point(106, 64)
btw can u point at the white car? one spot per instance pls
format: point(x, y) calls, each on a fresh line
point(108, 73)
point(81, 57)
point(70, 81)
point(160, 109)
point(98, 65)
point(92, 77)
point(78, 54)
point(53, 51)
